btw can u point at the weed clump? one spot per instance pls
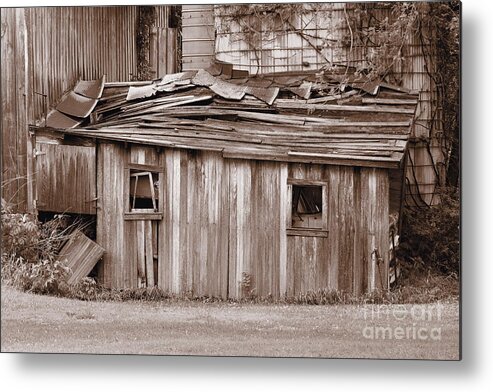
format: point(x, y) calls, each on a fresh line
point(431, 235)
point(29, 251)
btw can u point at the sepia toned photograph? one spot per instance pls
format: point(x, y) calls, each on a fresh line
point(241, 180)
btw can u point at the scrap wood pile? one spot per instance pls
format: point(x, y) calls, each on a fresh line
point(318, 117)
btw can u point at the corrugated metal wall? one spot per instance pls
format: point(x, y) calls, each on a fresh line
point(78, 42)
point(282, 50)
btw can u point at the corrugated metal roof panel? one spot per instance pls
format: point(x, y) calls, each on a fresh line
point(90, 88)
point(76, 105)
point(55, 119)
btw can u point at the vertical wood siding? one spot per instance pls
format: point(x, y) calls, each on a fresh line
point(16, 144)
point(226, 219)
point(255, 227)
point(66, 178)
point(119, 266)
point(358, 224)
point(198, 36)
point(194, 233)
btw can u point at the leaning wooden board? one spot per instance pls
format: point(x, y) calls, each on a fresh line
point(80, 254)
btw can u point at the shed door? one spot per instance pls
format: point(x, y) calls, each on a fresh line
point(66, 178)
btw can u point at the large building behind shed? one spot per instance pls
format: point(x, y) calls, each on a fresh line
point(315, 35)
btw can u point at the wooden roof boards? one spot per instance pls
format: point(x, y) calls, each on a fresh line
point(262, 117)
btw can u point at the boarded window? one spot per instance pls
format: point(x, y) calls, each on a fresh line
point(308, 211)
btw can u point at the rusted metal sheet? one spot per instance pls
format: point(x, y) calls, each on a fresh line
point(55, 119)
point(203, 78)
point(303, 91)
point(228, 90)
point(76, 105)
point(90, 88)
point(138, 92)
point(267, 95)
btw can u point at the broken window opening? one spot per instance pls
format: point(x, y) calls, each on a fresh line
point(144, 191)
point(307, 207)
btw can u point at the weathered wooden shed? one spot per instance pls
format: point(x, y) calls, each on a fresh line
point(216, 183)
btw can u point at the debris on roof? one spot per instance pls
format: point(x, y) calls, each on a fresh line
point(55, 119)
point(203, 78)
point(76, 105)
point(301, 116)
point(267, 95)
point(228, 90)
point(303, 91)
point(137, 92)
point(90, 88)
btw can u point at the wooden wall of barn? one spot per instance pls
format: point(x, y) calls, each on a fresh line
point(282, 50)
point(66, 178)
point(16, 112)
point(225, 221)
point(45, 50)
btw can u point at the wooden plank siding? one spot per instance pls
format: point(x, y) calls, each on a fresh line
point(16, 143)
point(227, 219)
point(80, 254)
point(66, 178)
point(119, 266)
point(198, 36)
point(255, 226)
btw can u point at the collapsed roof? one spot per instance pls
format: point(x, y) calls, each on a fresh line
point(313, 117)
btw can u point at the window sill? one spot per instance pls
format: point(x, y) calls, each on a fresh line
point(143, 216)
point(307, 232)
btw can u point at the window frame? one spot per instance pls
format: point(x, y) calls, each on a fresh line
point(151, 215)
point(307, 231)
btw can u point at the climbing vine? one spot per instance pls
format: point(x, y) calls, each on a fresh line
point(255, 24)
point(145, 24)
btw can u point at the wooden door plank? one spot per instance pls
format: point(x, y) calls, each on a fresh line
point(80, 254)
point(149, 259)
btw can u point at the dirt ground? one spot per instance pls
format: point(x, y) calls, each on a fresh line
point(33, 323)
